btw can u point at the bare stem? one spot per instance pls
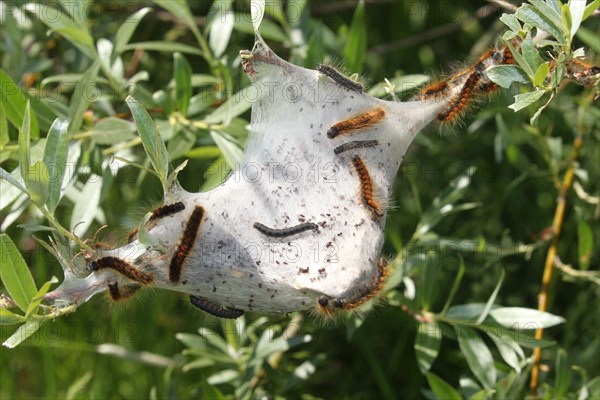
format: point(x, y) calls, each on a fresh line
point(551, 255)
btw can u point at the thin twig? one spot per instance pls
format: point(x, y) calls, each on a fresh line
point(551, 255)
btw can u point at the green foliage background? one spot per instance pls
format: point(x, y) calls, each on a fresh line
point(148, 346)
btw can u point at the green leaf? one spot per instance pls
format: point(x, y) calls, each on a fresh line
point(577, 10)
point(518, 335)
point(183, 82)
point(550, 10)
point(510, 351)
point(169, 47)
point(524, 100)
point(540, 74)
point(15, 275)
point(466, 312)
point(427, 345)
point(85, 93)
point(14, 102)
point(455, 286)
point(38, 183)
point(567, 20)
point(589, 10)
point(268, 29)
point(356, 46)
point(76, 387)
point(61, 23)
point(234, 106)
point(24, 331)
point(257, 10)
point(441, 388)
point(128, 27)
point(55, 159)
point(511, 21)
point(37, 299)
point(151, 140)
point(220, 31)
point(492, 299)
point(531, 53)
point(562, 379)
point(4, 136)
point(8, 318)
point(231, 151)
point(534, 17)
point(86, 205)
point(585, 243)
point(4, 175)
point(478, 355)
point(428, 290)
point(506, 75)
point(524, 318)
point(144, 236)
point(181, 11)
point(25, 144)
point(113, 130)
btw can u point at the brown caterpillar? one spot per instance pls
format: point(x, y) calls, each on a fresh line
point(185, 244)
point(366, 187)
point(123, 268)
point(357, 122)
point(214, 309)
point(160, 212)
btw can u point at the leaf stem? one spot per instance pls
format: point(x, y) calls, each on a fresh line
point(551, 255)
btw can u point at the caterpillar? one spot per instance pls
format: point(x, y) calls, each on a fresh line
point(357, 144)
point(340, 79)
point(366, 186)
point(357, 122)
point(279, 233)
point(161, 212)
point(122, 267)
point(185, 244)
point(214, 309)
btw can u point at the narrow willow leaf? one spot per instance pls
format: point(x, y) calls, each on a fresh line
point(113, 130)
point(356, 46)
point(231, 151)
point(577, 9)
point(37, 299)
point(61, 23)
point(128, 27)
point(144, 236)
point(151, 140)
point(441, 388)
point(427, 345)
point(492, 299)
point(455, 285)
point(183, 82)
point(15, 274)
point(524, 318)
point(25, 144)
point(181, 11)
point(24, 331)
point(168, 47)
point(55, 159)
point(39, 183)
point(478, 356)
point(562, 379)
point(234, 106)
point(4, 137)
point(585, 243)
point(8, 318)
point(85, 93)
point(74, 391)
point(567, 19)
point(549, 10)
point(13, 181)
point(220, 32)
point(257, 10)
point(14, 102)
point(86, 205)
point(526, 99)
point(590, 8)
point(508, 353)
